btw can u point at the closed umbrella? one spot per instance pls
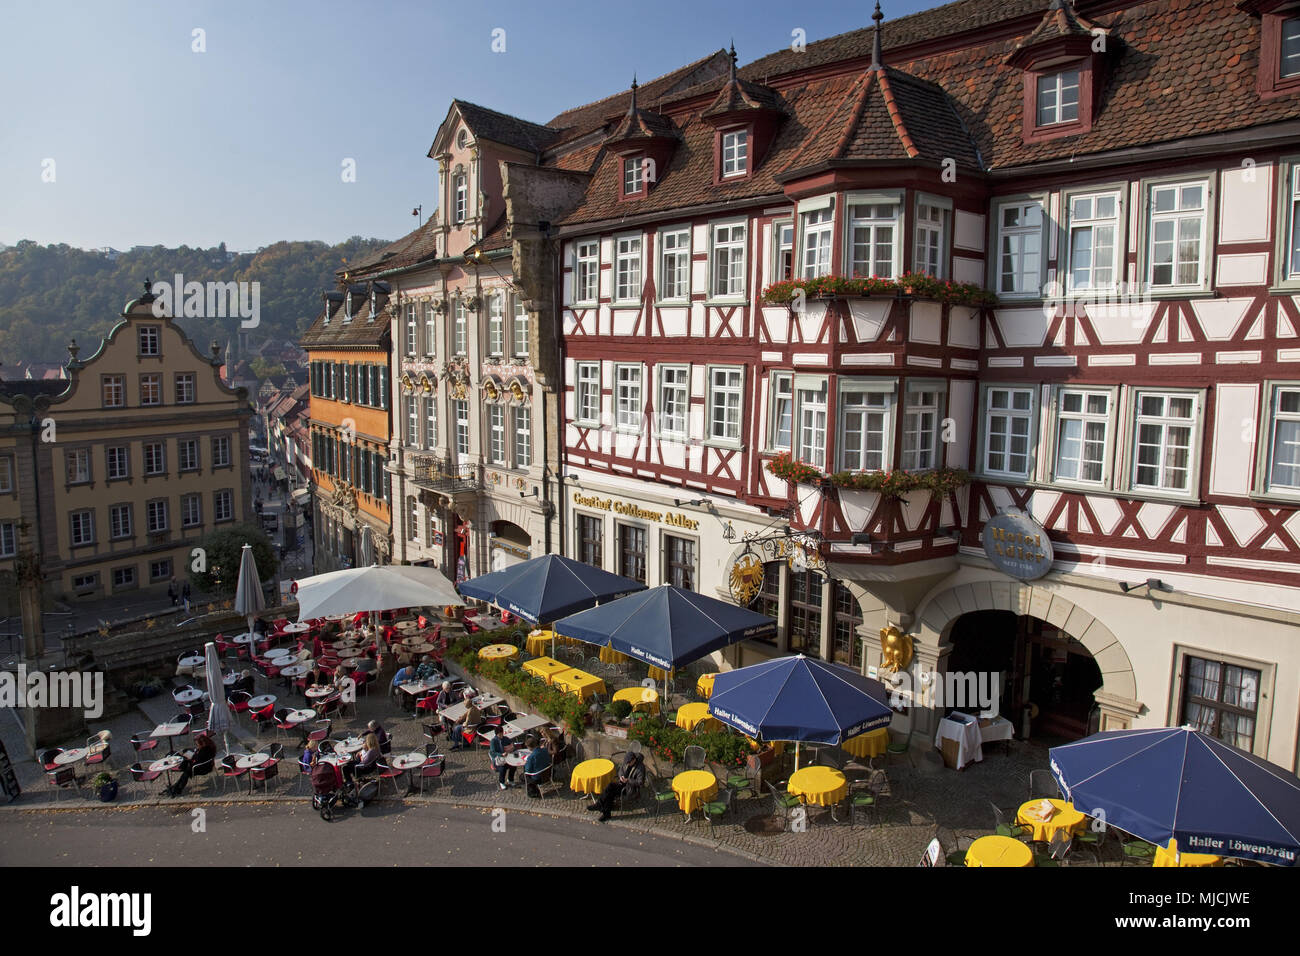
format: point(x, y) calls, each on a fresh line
point(249, 599)
point(1176, 783)
point(219, 720)
point(800, 699)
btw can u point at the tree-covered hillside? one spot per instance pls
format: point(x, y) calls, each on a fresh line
point(50, 294)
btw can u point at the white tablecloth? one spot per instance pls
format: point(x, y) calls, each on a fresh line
point(967, 736)
point(998, 729)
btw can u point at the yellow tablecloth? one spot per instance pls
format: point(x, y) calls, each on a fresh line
point(871, 744)
point(999, 851)
point(704, 686)
point(610, 656)
point(574, 681)
point(820, 786)
point(659, 674)
point(1065, 818)
point(545, 667)
point(690, 716)
point(641, 698)
point(592, 776)
point(694, 788)
point(1169, 857)
point(499, 652)
point(538, 644)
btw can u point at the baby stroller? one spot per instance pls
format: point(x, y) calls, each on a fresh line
point(330, 792)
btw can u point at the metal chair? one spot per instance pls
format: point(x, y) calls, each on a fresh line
point(1092, 841)
point(782, 802)
point(540, 779)
point(1043, 784)
point(1136, 852)
point(957, 855)
point(1057, 850)
point(718, 807)
point(695, 757)
point(862, 799)
point(1017, 831)
point(659, 798)
point(432, 769)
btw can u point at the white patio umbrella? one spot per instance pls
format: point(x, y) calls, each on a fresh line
point(373, 589)
point(248, 596)
point(219, 719)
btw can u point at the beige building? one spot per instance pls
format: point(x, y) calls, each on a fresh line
point(148, 452)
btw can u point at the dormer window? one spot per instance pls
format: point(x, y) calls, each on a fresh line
point(735, 153)
point(462, 198)
point(633, 176)
point(347, 306)
point(1290, 66)
point(1279, 54)
point(1058, 98)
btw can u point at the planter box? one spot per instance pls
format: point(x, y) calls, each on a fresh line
point(616, 730)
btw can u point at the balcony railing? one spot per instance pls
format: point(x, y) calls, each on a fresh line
point(441, 474)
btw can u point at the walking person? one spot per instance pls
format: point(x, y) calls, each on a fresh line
point(171, 591)
point(185, 595)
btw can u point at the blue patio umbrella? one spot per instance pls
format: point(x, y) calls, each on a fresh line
point(1176, 783)
point(547, 588)
point(666, 626)
point(800, 699)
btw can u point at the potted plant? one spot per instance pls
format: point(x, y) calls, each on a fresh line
point(149, 687)
point(616, 716)
point(106, 784)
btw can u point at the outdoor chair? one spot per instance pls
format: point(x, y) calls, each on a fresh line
point(142, 774)
point(1043, 784)
point(47, 758)
point(1017, 831)
point(956, 856)
point(389, 773)
point(143, 742)
point(695, 757)
point(63, 778)
point(718, 807)
point(1057, 850)
point(862, 799)
point(98, 748)
point(262, 718)
point(741, 783)
point(265, 773)
point(540, 779)
point(229, 772)
point(661, 795)
point(432, 769)
point(203, 768)
point(782, 802)
point(1091, 841)
point(1136, 852)
point(238, 701)
point(320, 731)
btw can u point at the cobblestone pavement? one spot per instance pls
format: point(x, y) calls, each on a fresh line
point(924, 798)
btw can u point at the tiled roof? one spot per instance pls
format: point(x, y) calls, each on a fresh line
point(360, 332)
point(505, 129)
point(643, 124)
point(416, 246)
point(1058, 22)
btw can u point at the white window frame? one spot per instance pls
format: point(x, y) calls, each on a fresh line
point(8, 539)
point(586, 271)
point(1059, 89)
point(780, 389)
point(412, 421)
point(633, 176)
point(81, 527)
point(412, 331)
point(779, 247)
point(125, 461)
point(680, 266)
point(119, 522)
point(151, 382)
point(430, 422)
point(726, 382)
point(496, 434)
point(519, 328)
point(461, 410)
point(221, 451)
point(1068, 239)
point(523, 416)
point(459, 328)
point(586, 393)
point(629, 397)
point(668, 425)
point(998, 232)
point(1108, 420)
point(150, 338)
point(224, 497)
point(191, 462)
point(816, 241)
point(1195, 424)
point(987, 413)
point(78, 469)
point(877, 399)
point(731, 285)
point(6, 474)
point(184, 384)
point(1151, 218)
point(1267, 452)
point(123, 578)
point(191, 511)
point(851, 223)
point(161, 463)
point(910, 458)
point(735, 153)
point(805, 385)
point(496, 325)
point(114, 385)
point(1288, 218)
point(460, 187)
point(628, 272)
point(430, 329)
point(936, 233)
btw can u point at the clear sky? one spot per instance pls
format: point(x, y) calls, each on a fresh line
point(153, 142)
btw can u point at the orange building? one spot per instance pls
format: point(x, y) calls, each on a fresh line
point(348, 349)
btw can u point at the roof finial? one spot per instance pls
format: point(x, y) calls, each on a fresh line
point(633, 108)
point(732, 56)
point(876, 61)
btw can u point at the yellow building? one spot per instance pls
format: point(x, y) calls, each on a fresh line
point(148, 454)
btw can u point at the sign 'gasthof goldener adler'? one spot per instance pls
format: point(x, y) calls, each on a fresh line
point(1018, 545)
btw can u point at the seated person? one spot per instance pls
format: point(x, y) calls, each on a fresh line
point(539, 759)
point(631, 778)
point(468, 724)
point(403, 675)
point(367, 762)
point(555, 744)
point(310, 755)
point(426, 669)
point(205, 752)
point(245, 682)
point(497, 755)
point(381, 735)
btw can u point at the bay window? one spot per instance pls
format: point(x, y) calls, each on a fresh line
point(520, 329)
point(931, 253)
point(588, 394)
point(523, 436)
point(812, 423)
point(460, 329)
point(782, 418)
point(818, 229)
point(1283, 433)
point(497, 434)
point(783, 250)
point(496, 325)
point(586, 274)
point(863, 428)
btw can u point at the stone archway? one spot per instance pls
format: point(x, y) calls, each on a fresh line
point(1117, 696)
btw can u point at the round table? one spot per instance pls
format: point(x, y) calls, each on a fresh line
point(349, 745)
point(419, 648)
point(294, 670)
point(229, 679)
point(1065, 818)
point(317, 691)
point(166, 764)
point(499, 652)
point(610, 656)
point(279, 653)
point(820, 786)
point(188, 696)
point(690, 716)
point(538, 643)
point(406, 625)
point(871, 744)
point(194, 660)
point(299, 716)
point(641, 698)
point(245, 638)
point(249, 761)
point(694, 788)
point(704, 686)
point(999, 851)
point(75, 755)
point(344, 645)
point(411, 639)
point(1169, 856)
point(261, 703)
point(337, 760)
point(408, 762)
point(515, 758)
point(297, 627)
point(347, 653)
point(592, 776)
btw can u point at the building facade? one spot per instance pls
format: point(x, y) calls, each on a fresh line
point(350, 491)
point(145, 451)
point(1049, 269)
